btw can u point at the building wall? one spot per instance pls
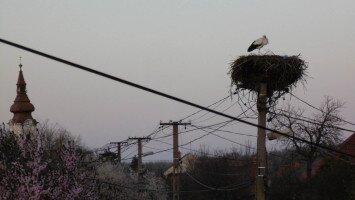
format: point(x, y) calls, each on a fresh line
point(29, 126)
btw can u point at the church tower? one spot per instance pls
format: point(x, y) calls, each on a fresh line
point(22, 121)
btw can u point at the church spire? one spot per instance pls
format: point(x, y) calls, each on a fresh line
point(22, 107)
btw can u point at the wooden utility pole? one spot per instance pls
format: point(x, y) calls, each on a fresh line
point(139, 167)
point(139, 140)
point(261, 149)
point(118, 149)
point(176, 156)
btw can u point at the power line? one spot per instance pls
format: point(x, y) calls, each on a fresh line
point(337, 157)
point(161, 128)
point(194, 150)
point(232, 141)
point(236, 187)
point(132, 152)
point(153, 148)
point(145, 189)
point(215, 114)
point(197, 151)
point(222, 174)
point(164, 94)
point(314, 107)
point(225, 131)
point(225, 123)
point(311, 121)
point(165, 136)
point(219, 103)
point(228, 139)
point(208, 133)
point(122, 186)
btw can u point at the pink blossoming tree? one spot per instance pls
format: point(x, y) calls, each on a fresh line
point(29, 169)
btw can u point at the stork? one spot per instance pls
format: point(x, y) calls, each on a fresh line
point(258, 44)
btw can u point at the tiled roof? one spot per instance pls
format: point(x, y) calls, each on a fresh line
point(348, 146)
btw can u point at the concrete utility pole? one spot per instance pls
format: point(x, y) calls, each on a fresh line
point(352, 185)
point(118, 149)
point(139, 139)
point(261, 149)
point(176, 156)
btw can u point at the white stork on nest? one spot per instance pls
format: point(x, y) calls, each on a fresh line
point(258, 44)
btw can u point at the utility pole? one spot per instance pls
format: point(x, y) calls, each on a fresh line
point(139, 140)
point(118, 149)
point(176, 156)
point(261, 149)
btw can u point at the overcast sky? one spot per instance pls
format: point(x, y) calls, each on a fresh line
point(180, 47)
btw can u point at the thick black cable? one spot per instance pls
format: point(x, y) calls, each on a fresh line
point(163, 94)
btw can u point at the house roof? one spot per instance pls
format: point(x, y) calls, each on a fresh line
point(185, 162)
point(188, 160)
point(348, 146)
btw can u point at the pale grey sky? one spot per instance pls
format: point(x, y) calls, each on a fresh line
point(180, 47)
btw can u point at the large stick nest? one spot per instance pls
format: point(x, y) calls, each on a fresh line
point(280, 73)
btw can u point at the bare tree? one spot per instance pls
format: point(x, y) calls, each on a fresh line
point(320, 129)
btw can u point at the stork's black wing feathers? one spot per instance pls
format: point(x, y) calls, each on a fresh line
point(252, 47)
